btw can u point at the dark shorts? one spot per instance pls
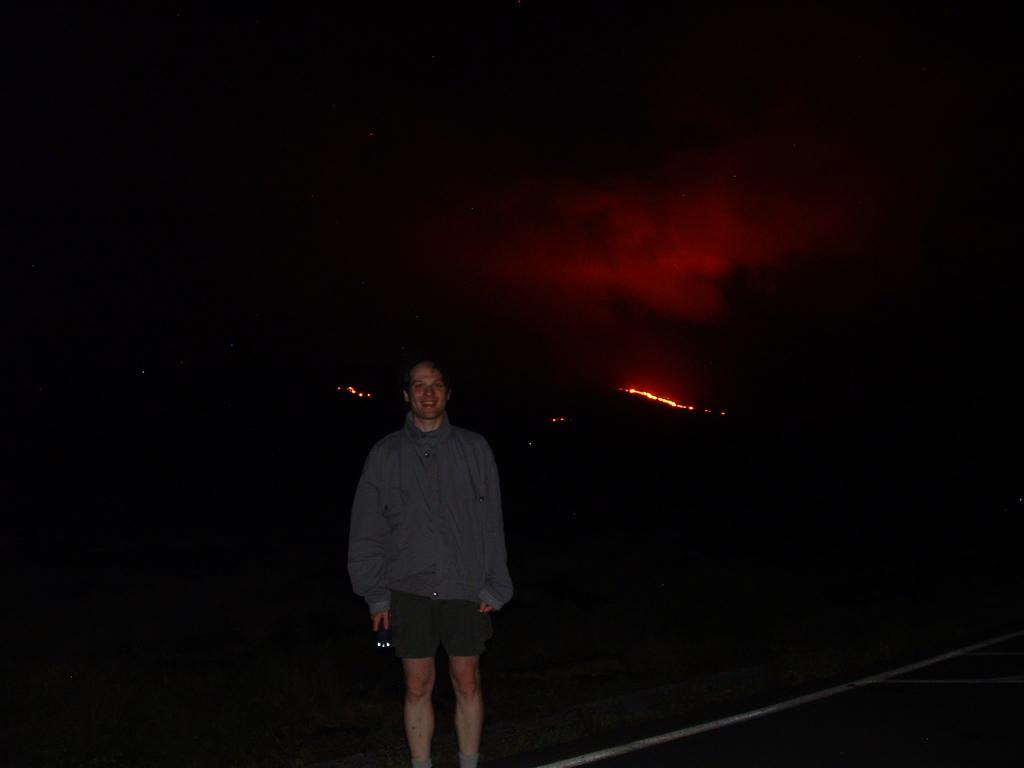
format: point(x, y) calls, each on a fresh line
point(420, 624)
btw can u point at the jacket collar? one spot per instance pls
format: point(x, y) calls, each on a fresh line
point(418, 435)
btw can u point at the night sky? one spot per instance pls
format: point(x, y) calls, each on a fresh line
point(806, 210)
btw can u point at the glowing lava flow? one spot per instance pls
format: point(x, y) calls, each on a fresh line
point(355, 392)
point(664, 400)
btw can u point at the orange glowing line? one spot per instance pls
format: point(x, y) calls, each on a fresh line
point(664, 400)
point(356, 392)
point(656, 398)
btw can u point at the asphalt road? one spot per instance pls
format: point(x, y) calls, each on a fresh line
point(966, 710)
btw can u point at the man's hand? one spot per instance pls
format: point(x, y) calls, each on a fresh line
point(486, 607)
point(378, 617)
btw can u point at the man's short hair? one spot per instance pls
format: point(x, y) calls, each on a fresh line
point(443, 370)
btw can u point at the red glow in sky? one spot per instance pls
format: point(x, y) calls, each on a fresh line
point(619, 281)
point(646, 235)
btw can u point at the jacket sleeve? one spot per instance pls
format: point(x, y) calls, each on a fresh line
point(367, 540)
point(497, 583)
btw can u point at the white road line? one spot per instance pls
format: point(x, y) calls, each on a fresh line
point(995, 653)
point(957, 681)
point(682, 733)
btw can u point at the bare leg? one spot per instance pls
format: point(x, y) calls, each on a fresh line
point(469, 702)
point(419, 710)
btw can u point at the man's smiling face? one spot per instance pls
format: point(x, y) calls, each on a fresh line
point(427, 394)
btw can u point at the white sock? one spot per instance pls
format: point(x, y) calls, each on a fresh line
point(468, 761)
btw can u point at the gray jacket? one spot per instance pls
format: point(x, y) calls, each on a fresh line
point(426, 519)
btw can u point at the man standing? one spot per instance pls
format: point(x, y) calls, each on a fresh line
point(427, 553)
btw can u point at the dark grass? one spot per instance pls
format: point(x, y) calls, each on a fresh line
point(733, 561)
